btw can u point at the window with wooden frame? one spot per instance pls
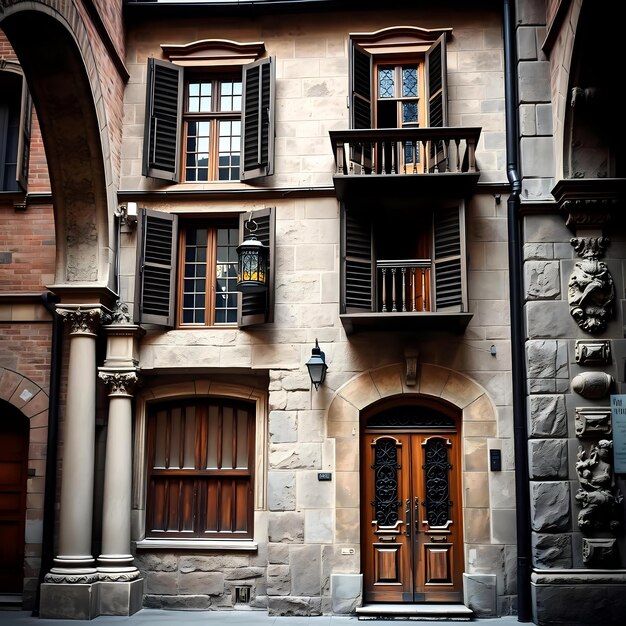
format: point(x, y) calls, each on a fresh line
point(212, 128)
point(15, 128)
point(398, 79)
point(210, 113)
point(200, 469)
point(208, 282)
point(187, 270)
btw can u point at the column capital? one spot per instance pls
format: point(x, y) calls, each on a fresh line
point(84, 319)
point(120, 383)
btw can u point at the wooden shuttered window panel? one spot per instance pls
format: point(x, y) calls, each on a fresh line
point(360, 87)
point(448, 260)
point(163, 120)
point(257, 159)
point(200, 463)
point(156, 268)
point(437, 101)
point(258, 308)
point(358, 262)
point(23, 146)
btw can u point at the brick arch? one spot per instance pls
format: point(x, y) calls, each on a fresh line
point(433, 382)
point(22, 393)
point(53, 47)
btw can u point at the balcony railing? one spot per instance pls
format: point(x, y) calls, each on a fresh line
point(440, 159)
point(404, 285)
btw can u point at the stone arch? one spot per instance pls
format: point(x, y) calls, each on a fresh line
point(433, 382)
point(25, 395)
point(52, 44)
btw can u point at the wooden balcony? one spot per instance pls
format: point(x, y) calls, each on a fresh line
point(403, 302)
point(393, 166)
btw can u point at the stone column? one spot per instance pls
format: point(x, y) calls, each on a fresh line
point(121, 589)
point(68, 590)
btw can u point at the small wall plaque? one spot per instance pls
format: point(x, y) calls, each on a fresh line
point(324, 476)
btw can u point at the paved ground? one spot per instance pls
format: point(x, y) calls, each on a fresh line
point(155, 617)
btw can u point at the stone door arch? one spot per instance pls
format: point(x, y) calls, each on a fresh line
point(433, 382)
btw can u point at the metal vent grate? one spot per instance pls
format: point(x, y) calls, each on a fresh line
point(242, 595)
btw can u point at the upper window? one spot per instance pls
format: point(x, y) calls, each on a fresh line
point(15, 123)
point(200, 469)
point(212, 129)
point(209, 126)
point(187, 271)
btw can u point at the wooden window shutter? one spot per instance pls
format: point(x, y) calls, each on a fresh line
point(257, 119)
point(258, 308)
point(23, 146)
point(357, 259)
point(437, 83)
point(360, 87)
point(156, 268)
point(448, 260)
point(164, 100)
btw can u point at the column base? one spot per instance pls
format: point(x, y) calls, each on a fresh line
point(69, 601)
point(121, 598)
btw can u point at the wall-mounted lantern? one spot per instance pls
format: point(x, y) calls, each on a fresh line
point(252, 262)
point(317, 366)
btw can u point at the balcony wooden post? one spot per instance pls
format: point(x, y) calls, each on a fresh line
point(394, 308)
point(413, 295)
point(384, 307)
point(404, 288)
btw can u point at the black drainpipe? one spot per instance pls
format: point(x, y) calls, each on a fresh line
point(56, 353)
point(518, 359)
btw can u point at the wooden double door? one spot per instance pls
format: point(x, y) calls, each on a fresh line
point(412, 546)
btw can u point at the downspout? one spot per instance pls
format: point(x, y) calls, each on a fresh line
point(50, 487)
point(518, 358)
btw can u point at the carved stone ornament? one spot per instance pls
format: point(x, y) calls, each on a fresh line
point(593, 352)
point(411, 356)
point(118, 577)
point(599, 552)
point(120, 314)
point(593, 421)
point(84, 320)
point(72, 579)
point(119, 383)
point(591, 293)
point(597, 494)
point(592, 385)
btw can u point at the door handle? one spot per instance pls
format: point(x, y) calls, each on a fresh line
point(407, 518)
point(417, 517)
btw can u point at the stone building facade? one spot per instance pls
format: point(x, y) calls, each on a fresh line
point(440, 207)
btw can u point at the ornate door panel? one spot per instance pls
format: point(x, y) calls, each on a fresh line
point(411, 517)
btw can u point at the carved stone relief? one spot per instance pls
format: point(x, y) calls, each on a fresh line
point(592, 385)
point(599, 552)
point(592, 421)
point(597, 494)
point(593, 352)
point(591, 292)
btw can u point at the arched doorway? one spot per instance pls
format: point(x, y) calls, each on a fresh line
point(14, 430)
point(411, 505)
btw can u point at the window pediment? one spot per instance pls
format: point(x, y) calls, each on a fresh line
point(209, 52)
point(399, 39)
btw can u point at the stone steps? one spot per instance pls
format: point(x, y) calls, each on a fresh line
point(416, 612)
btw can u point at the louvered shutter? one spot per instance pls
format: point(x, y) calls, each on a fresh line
point(23, 146)
point(449, 252)
point(437, 98)
point(163, 120)
point(357, 261)
point(360, 100)
point(257, 119)
point(156, 268)
point(258, 308)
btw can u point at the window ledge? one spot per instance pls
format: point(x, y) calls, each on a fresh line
point(196, 544)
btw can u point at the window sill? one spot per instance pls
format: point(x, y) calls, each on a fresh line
point(197, 544)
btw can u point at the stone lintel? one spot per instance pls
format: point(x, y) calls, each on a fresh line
point(579, 577)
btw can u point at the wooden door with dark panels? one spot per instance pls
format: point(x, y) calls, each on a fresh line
point(412, 545)
point(14, 430)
